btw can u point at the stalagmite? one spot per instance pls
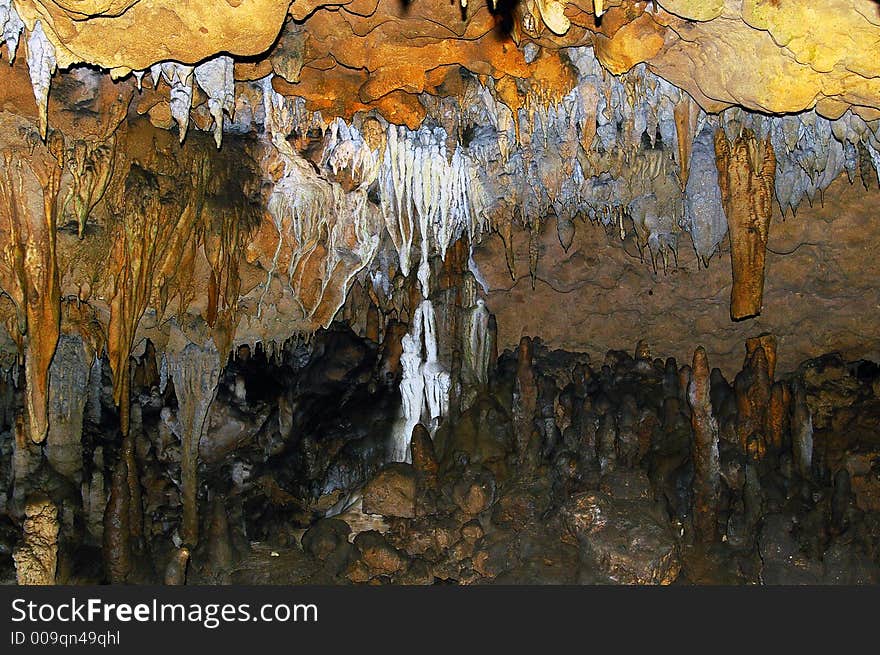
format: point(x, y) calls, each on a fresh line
point(706, 459)
point(801, 431)
point(767, 342)
point(68, 392)
point(220, 553)
point(424, 386)
point(36, 559)
point(195, 372)
point(525, 396)
point(778, 417)
point(746, 170)
point(94, 497)
point(752, 387)
point(117, 548)
point(175, 570)
point(477, 344)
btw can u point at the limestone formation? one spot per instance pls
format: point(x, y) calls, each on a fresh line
point(308, 292)
point(706, 458)
point(36, 558)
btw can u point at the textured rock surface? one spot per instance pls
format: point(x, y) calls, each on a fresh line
point(818, 296)
point(37, 557)
point(271, 169)
point(134, 34)
point(623, 538)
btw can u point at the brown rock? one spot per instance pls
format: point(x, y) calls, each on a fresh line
point(378, 555)
point(474, 493)
point(392, 492)
point(324, 537)
point(623, 538)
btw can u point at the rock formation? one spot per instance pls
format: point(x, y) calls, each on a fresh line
point(373, 271)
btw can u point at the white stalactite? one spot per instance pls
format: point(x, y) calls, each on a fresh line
point(217, 80)
point(41, 65)
point(11, 26)
point(180, 78)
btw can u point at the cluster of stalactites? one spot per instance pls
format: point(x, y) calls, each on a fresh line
point(629, 151)
point(636, 151)
point(40, 55)
point(812, 151)
point(315, 215)
point(214, 76)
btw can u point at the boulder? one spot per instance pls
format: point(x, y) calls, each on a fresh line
point(392, 492)
point(623, 538)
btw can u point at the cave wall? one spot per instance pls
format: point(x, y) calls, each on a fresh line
point(822, 296)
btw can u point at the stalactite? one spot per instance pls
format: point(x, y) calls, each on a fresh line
point(746, 177)
point(149, 238)
point(703, 209)
point(90, 165)
point(705, 450)
point(216, 78)
point(42, 65)
point(28, 265)
point(687, 113)
point(180, 78)
point(11, 27)
point(325, 235)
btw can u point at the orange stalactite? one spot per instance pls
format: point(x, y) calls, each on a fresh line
point(746, 174)
point(29, 188)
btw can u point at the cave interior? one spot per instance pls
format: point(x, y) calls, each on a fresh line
point(389, 292)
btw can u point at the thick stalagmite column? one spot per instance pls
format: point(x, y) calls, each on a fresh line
point(746, 173)
point(68, 393)
point(37, 557)
point(753, 387)
point(117, 531)
point(195, 372)
point(706, 461)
